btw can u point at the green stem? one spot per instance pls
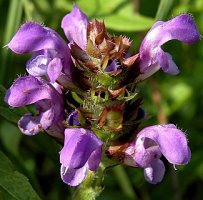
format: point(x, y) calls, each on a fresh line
point(163, 9)
point(124, 182)
point(91, 187)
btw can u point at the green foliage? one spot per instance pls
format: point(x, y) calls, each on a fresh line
point(14, 185)
point(118, 15)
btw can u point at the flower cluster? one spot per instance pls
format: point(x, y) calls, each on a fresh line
point(86, 97)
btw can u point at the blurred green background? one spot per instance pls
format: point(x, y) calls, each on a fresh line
point(177, 100)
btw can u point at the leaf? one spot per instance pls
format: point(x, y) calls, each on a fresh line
point(100, 7)
point(127, 20)
point(10, 137)
point(10, 114)
point(14, 185)
point(125, 23)
point(118, 15)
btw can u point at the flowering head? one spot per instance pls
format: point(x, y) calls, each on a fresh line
point(85, 93)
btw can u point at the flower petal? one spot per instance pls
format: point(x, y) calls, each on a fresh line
point(27, 90)
point(54, 69)
point(29, 125)
point(32, 37)
point(94, 159)
point(73, 118)
point(146, 151)
point(37, 65)
point(79, 145)
point(155, 172)
point(73, 177)
point(166, 62)
point(172, 142)
point(74, 25)
point(48, 102)
point(172, 67)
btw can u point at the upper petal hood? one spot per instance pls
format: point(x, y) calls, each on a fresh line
point(32, 37)
point(79, 144)
point(171, 141)
point(74, 25)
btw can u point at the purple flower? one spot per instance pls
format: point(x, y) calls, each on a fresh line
point(51, 53)
point(49, 104)
point(152, 142)
point(81, 152)
point(152, 57)
point(74, 25)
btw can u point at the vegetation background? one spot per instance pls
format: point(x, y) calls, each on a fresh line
point(177, 100)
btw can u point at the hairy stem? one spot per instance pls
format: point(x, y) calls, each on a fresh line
point(91, 187)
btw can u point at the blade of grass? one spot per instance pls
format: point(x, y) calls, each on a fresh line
point(13, 21)
point(28, 7)
point(124, 182)
point(163, 9)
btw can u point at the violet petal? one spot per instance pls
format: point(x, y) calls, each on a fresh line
point(180, 28)
point(74, 25)
point(37, 65)
point(25, 91)
point(94, 159)
point(29, 125)
point(32, 37)
point(73, 177)
point(155, 172)
point(146, 151)
point(54, 69)
point(79, 145)
point(172, 142)
point(49, 104)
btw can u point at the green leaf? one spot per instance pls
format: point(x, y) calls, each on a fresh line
point(127, 20)
point(118, 15)
point(100, 7)
point(14, 185)
point(124, 23)
point(10, 114)
point(10, 137)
